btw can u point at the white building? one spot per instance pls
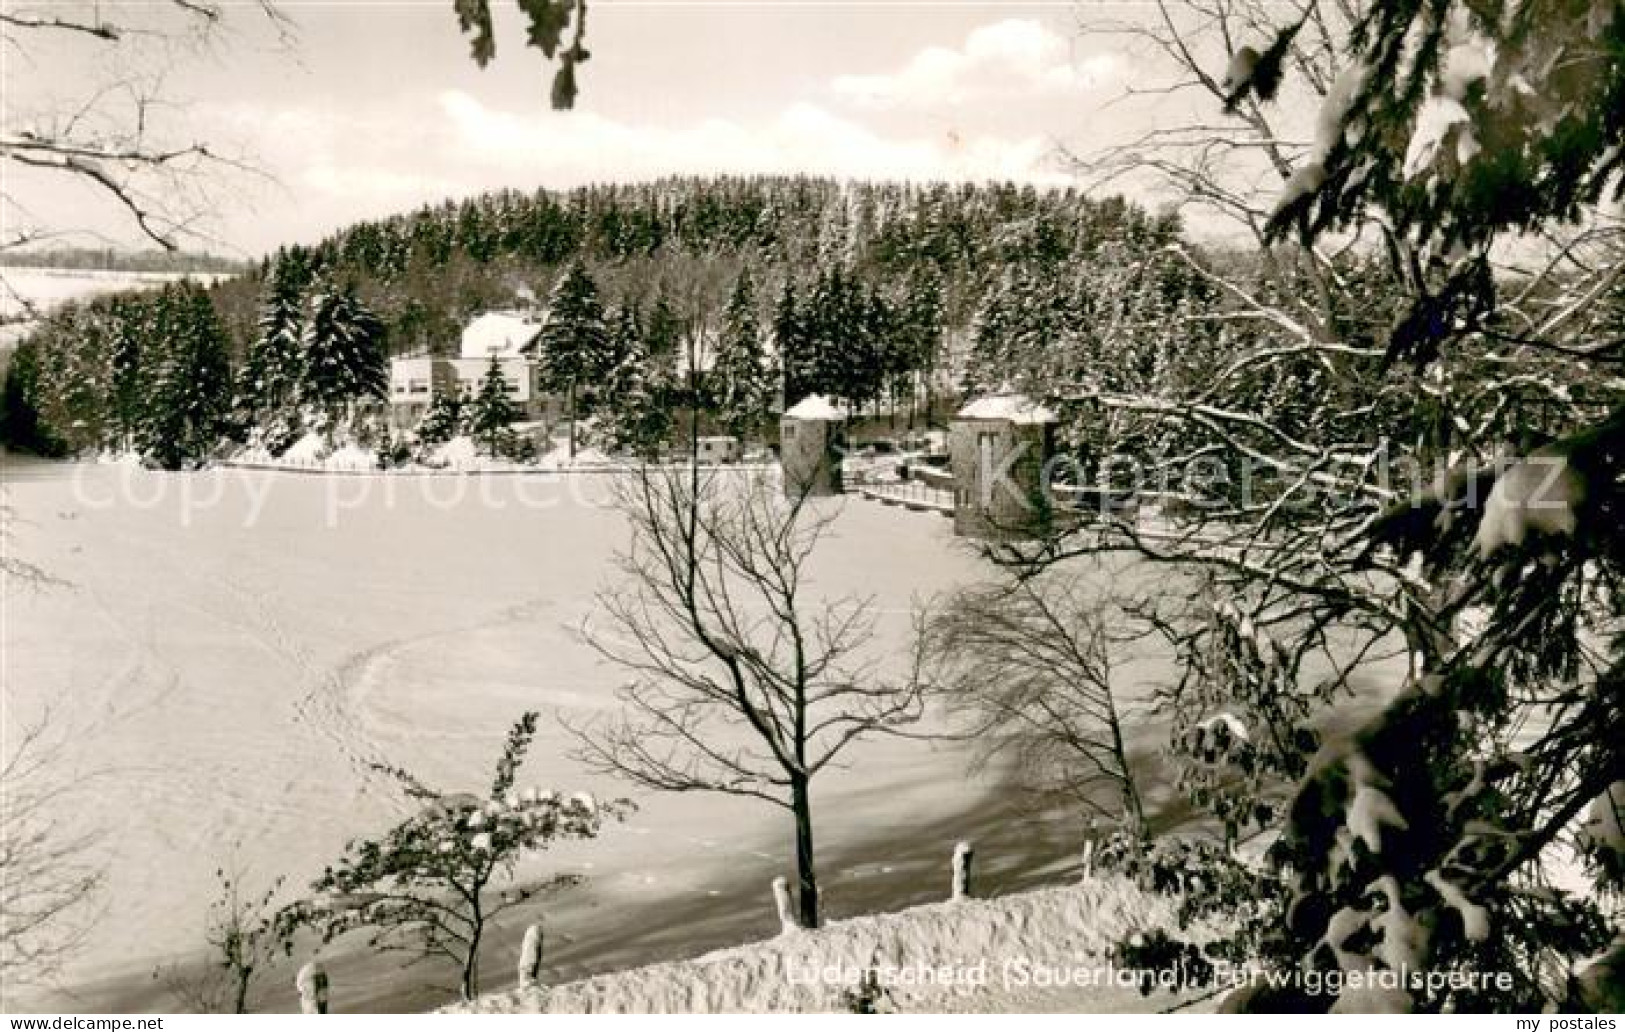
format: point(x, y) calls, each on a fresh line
point(505, 334)
point(414, 380)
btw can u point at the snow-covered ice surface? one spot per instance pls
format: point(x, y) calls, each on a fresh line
point(1044, 950)
point(235, 648)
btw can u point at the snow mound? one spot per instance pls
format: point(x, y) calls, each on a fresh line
point(459, 451)
point(559, 458)
point(352, 456)
point(313, 451)
point(308, 448)
point(1018, 937)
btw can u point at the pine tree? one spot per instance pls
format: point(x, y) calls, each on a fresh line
point(21, 425)
point(744, 383)
point(343, 352)
point(268, 385)
point(75, 377)
point(790, 340)
point(638, 417)
point(575, 342)
point(444, 419)
point(491, 412)
point(663, 330)
point(187, 385)
point(926, 320)
point(126, 330)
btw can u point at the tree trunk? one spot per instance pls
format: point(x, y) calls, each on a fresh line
point(244, 977)
point(807, 893)
point(471, 961)
point(1133, 808)
point(570, 402)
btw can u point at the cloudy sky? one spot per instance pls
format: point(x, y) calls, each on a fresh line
point(375, 106)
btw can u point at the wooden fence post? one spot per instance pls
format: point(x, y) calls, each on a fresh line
point(312, 985)
point(787, 911)
point(963, 854)
point(530, 958)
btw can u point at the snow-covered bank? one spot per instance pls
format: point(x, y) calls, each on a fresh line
point(458, 457)
point(1033, 951)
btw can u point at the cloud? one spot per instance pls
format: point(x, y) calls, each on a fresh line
point(1015, 58)
point(563, 149)
point(335, 166)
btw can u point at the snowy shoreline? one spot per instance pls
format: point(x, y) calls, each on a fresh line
point(320, 469)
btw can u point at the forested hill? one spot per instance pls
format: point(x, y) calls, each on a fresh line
point(425, 273)
point(866, 292)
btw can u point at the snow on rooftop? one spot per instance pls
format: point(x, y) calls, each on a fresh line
point(815, 406)
point(1014, 408)
point(498, 333)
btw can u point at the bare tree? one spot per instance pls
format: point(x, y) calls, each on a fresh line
point(245, 935)
point(116, 138)
point(50, 878)
point(1031, 663)
point(743, 681)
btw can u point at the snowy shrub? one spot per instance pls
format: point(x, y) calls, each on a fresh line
point(425, 886)
point(1240, 729)
point(867, 997)
point(1158, 959)
point(443, 420)
point(1208, 884)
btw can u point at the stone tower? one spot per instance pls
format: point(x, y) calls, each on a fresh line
point(1000, 447)
point(811, 440)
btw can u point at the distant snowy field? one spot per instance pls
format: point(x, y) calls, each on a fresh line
point(232, 649)
point(45, 289)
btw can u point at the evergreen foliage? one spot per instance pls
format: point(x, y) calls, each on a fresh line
point(444, 419)
point(875, 286)
point(343, 356)
point(492, 412)
point(637, 417)
point(427, 884)
point(186, 382)
point(744, 385)
point(574, 346)
point(269, 383)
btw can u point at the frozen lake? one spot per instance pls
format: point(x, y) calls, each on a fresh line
point(231, 650)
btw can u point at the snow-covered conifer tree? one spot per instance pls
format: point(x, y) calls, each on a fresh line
point(344, 361)
point(492, 412)
point(743, 381)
